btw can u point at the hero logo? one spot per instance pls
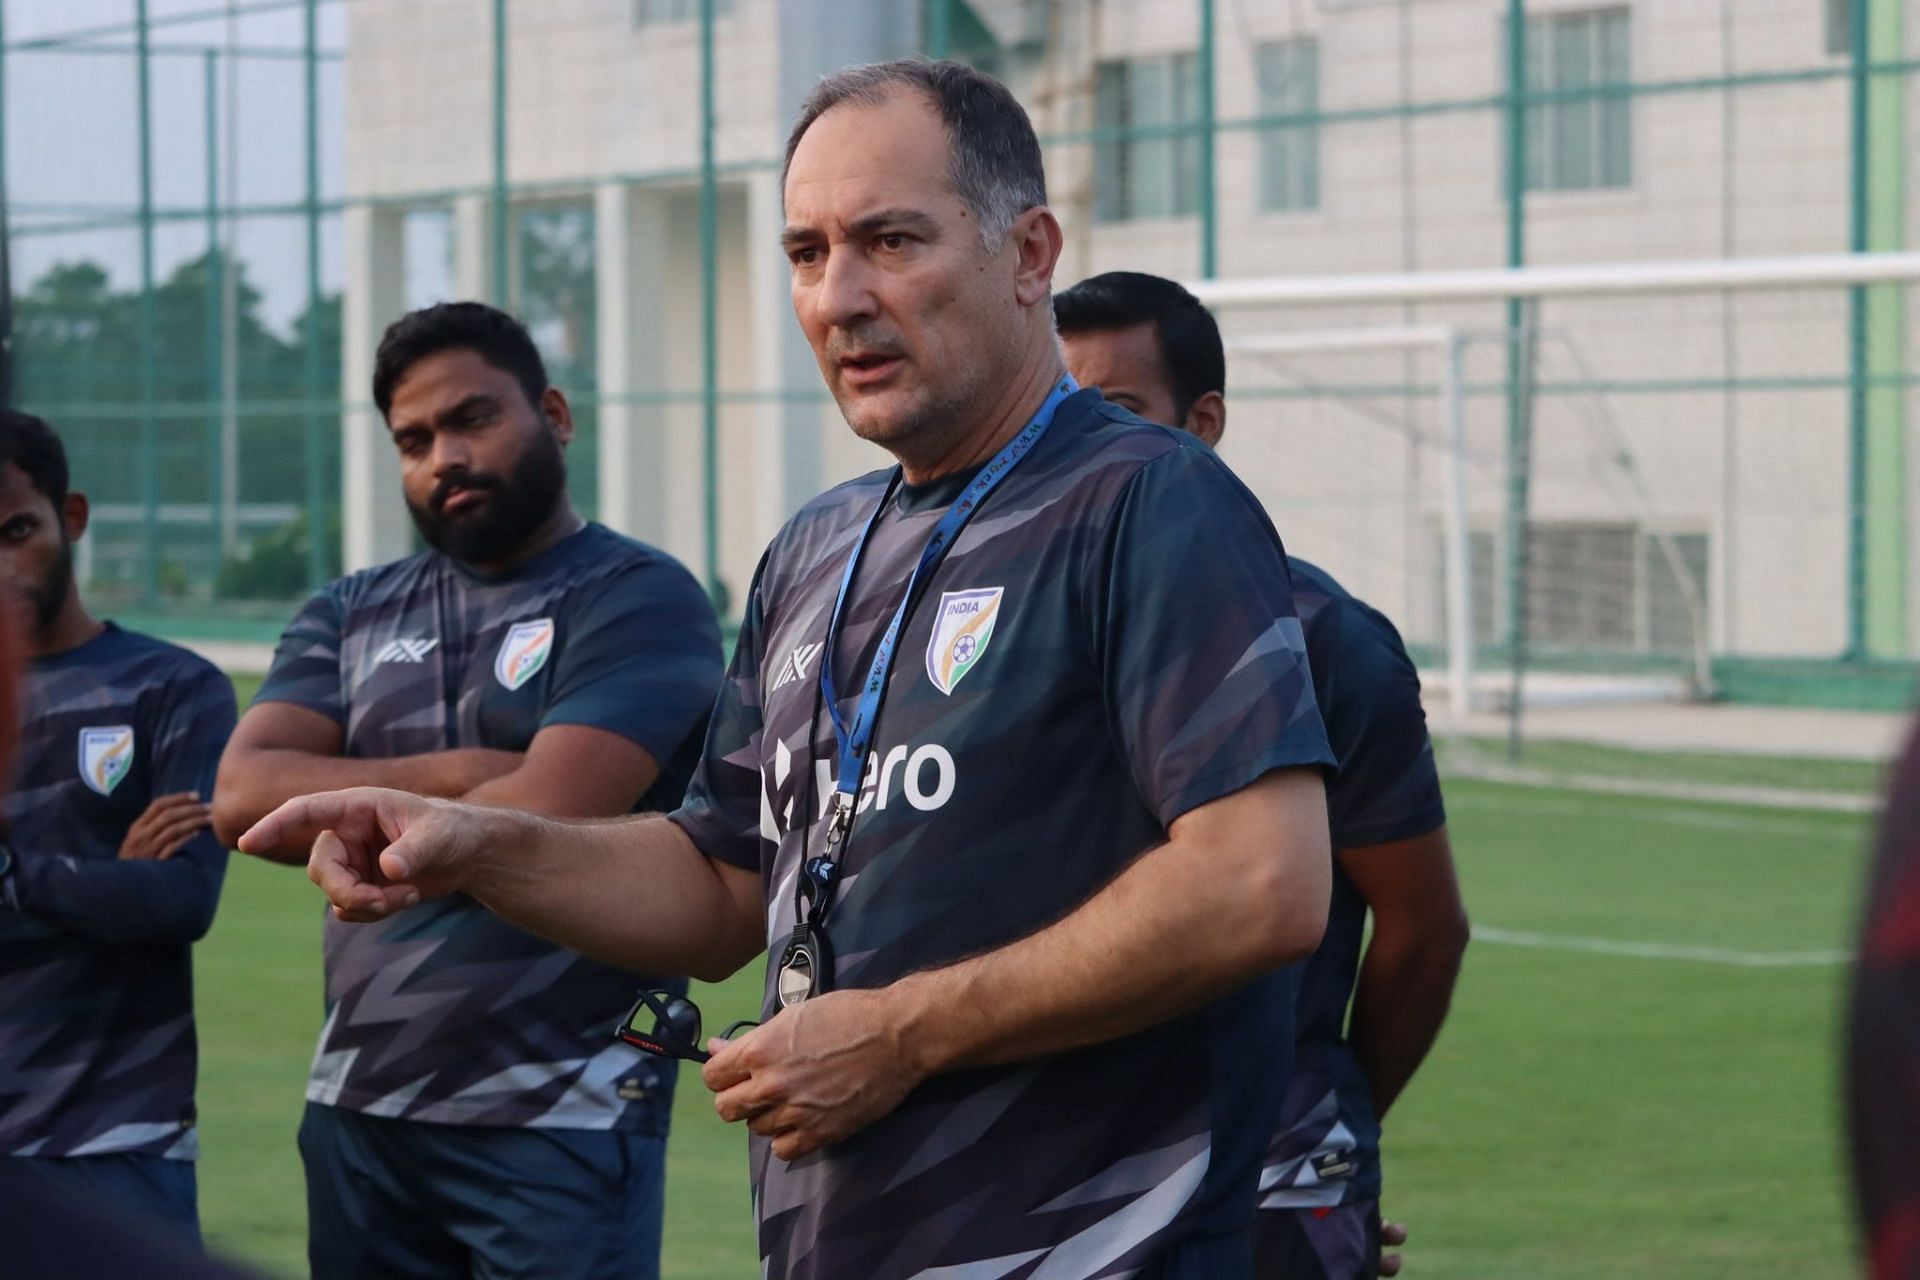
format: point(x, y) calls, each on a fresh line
point(924, 777)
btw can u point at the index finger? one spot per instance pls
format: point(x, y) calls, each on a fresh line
point(307, 817)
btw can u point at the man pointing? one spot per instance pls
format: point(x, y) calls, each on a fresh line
point(1016, 779)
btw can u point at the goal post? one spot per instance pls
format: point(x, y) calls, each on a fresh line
point(1624, 480)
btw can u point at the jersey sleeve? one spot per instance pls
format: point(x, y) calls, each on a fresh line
point(1201, 653)
point(306, 664)
point(1387, 788)
point(721, 812)
point(132, 902)
point(640, 658)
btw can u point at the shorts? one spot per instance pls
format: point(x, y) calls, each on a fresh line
point(1339, 1242)
point(400, 1198)
point(165, 1193)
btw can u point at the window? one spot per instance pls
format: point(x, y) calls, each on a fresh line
point(1578, 143)
point(1158, 175)
point(1289, 154)
point(657, 13)
point(1839, 28)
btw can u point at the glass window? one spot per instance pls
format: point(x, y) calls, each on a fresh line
point(1580, 141)
point(1155, 174)
point(1289, 74)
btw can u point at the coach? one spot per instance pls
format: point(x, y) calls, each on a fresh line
point(528, 658)
point(1017, 776)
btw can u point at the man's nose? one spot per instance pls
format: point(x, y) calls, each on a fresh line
point(846, 296)
point(450, 454)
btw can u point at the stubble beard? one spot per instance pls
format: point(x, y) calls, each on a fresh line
point(930, 426)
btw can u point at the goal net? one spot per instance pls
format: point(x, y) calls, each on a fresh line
point(1612, 510)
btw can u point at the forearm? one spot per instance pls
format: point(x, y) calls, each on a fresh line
point(124, 902)
point(632, 892)
point(1163, 938)
point(257, 783)
point(1399, 1007)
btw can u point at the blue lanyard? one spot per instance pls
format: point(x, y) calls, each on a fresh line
point(855, 740)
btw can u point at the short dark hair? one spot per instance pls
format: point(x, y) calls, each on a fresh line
point(34, 447)
point(993, 157)
point(488, 332)
point(1190, 347)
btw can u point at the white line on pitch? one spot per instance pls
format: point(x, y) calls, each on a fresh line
point(1662, 950)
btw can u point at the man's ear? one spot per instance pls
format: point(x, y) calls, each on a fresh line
point(558, 413)
point(75, 513)
point(1036, 237)
point(1208, 418)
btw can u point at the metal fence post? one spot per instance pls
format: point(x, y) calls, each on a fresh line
point(148, 357)
point(1209, 195)
point(316, 493)
point(215, 327)
point(709, 314)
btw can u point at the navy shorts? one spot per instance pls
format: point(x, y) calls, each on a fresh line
point(388, 1199)
point(1337, 1243)
point(165, 1193)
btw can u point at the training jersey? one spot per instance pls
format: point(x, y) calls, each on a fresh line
point(1327, 1149)
point(1109, 644)
point(97, 1049)
point(447, 1013)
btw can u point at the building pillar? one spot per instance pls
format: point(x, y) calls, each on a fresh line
point(787, 420)
point(632, 248)
point(374, 524)
point(472, 256)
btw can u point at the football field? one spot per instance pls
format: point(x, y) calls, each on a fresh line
point(1639, 1078)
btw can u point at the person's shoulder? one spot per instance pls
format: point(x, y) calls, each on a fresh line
point(379, 583)
point(825, 520)
point(602, 559)
point(170, 671)
point(1359, 633)
point(164, 660)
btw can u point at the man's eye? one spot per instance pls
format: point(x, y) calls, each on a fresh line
point(805, 257)
point(893, 242)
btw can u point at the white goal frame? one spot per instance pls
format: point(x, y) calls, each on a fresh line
point(1720, 275)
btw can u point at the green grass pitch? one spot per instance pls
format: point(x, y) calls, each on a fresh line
point(1586, 1113)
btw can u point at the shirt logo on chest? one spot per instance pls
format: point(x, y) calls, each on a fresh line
point(961, 631)
point(106, 756)
point(796, 665)
point(523, 652)
point(414, 651)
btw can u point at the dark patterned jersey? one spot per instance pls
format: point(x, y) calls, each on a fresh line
point(447, 1013)
point(97, 1050)
point(1883, 1037)
point(1109, 644)
point(1327, 1149)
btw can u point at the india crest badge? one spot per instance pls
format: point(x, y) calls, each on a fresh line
point(523, 652)
point(106, 756)
point(961, 630)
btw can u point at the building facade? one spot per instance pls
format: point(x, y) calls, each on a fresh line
point(1690, 479)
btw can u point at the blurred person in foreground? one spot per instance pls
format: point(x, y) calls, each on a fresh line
point(1883, 1038)
point(467, 1113)
point(109, 872)
point(1016, 779)
point(1151, 347)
